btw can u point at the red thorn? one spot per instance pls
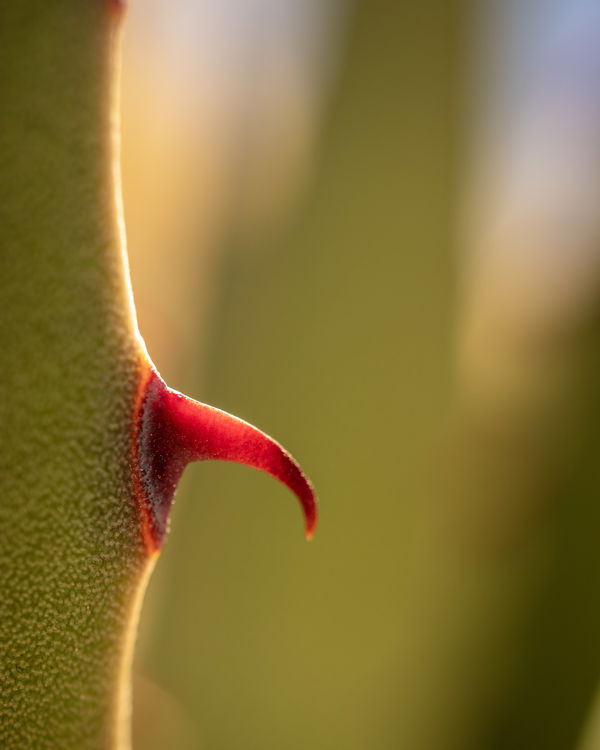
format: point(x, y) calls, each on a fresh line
point(172, 430)
point(116, 8)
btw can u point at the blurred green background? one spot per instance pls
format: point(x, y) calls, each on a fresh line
point(304, 192)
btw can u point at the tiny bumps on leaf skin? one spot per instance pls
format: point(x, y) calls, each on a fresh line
point(170, 430)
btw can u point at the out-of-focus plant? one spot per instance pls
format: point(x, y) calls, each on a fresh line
point(453, 395)
point(93, 442)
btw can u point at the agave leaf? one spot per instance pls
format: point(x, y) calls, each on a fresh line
point(79, 530)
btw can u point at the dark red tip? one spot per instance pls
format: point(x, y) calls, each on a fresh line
point(116, 8)
point(172, 430)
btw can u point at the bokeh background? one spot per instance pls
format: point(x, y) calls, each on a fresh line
point(371, 228)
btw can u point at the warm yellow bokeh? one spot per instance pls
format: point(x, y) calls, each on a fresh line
point(370, 228)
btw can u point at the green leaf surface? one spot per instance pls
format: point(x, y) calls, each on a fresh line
point(71, 557)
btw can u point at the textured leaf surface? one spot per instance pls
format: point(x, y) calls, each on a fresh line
point(71, 557)
point(76, 544)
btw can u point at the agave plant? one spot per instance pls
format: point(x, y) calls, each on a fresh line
point(93, 441)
